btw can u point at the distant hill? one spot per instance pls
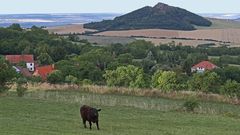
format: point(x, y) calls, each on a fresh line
point(161, 16)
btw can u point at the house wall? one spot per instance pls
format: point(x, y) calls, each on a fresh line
point(198, 70)
point(30, 66)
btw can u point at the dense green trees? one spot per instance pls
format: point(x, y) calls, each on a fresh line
point(127, 76)
point(7, 73)
point(15, 40)
point(139, 64)
point(165, 80)
point(205, 82)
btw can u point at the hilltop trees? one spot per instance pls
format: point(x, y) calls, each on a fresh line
point(161, 16)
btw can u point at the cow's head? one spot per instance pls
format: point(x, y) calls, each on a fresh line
point(94, 114)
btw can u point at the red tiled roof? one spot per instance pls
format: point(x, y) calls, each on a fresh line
point(44, 71)
point(205, 64)
point(14, 59)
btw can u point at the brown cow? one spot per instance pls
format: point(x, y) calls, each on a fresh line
point(89, 114)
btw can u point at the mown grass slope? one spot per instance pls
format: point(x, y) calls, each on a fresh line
point(57, 113)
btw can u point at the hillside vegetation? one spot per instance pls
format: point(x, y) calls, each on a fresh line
point(161, 16)
point(139, 64)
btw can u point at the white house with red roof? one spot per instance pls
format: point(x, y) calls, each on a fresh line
point(28, 59)
point(203, 66)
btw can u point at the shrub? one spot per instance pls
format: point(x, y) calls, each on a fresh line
point(87, 82)
point(35, 79)
point(231, 88)
point(21, 86)
point(191, 104)
point(55, 77)
point(71, 79)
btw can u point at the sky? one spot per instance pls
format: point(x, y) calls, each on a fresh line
point(112, 6)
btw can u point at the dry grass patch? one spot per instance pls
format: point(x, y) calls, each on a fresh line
point(178, 95)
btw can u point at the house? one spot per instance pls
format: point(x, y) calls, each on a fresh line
point(44, 71)
point(203, 66)
point(16, 59)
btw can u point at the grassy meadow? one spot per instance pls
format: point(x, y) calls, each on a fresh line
point(57, 113)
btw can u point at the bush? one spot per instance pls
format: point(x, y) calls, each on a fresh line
point(191, 104)
point(55, 77)
point(87, 82)
point(35, 79)
point(71, 79)
point(231, 88)
point(21, 86)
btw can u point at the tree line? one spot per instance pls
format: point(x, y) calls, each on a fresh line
point(139, 64)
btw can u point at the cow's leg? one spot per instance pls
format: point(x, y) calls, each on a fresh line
point(90, 124)
point(97, 125)
point(84, 123)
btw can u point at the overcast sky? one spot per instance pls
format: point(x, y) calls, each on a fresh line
point(113, 6)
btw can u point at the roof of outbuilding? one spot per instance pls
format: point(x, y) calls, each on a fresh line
point(14, 59)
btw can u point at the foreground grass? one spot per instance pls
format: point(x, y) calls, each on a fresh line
point(57, 113)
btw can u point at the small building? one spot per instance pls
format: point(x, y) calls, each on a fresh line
point(16, 59)
point(44, 71)
point(203, 66)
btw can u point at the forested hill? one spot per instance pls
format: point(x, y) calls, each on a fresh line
point(161, 16)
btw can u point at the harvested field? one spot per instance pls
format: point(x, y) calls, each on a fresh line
point(67, 29)
point(224, 35)
point(221, 24)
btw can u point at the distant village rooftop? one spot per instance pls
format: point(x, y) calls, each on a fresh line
point(203, 66)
